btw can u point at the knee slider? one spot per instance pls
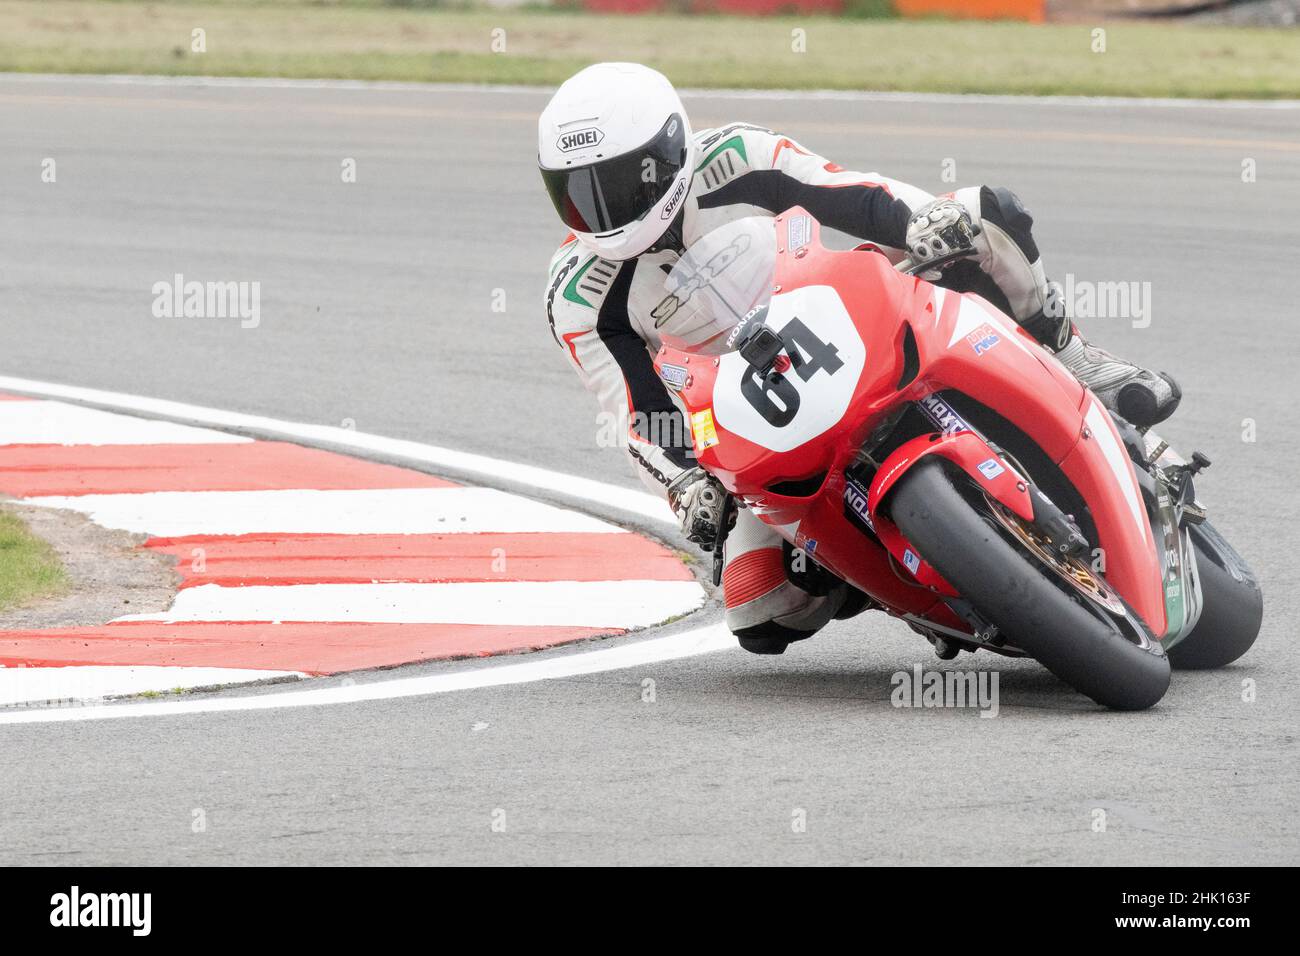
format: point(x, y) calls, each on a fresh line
point(769, 637)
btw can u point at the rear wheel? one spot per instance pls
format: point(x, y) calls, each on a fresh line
point(1233, 605)
point(1120, 667)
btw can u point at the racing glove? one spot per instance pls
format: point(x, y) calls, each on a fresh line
point(939, 230)
point(698, 500)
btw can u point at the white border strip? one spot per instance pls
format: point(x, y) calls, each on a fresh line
point(94, 682)
point(641, 504)
point(853, 96)
point(702, 640)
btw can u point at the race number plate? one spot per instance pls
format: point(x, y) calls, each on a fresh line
point(787, 409)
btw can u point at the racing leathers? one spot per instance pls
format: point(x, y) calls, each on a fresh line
point(600, 315)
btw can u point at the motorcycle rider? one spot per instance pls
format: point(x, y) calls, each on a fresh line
point(636, 185)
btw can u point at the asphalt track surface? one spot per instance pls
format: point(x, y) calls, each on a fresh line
point(377, 307)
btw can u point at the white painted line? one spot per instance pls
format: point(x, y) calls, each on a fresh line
point(27, 685)
point(173, 514)
point(615, 604)
point(56, 423)
point(508, 89)
point(702, 640)
point(641, 504)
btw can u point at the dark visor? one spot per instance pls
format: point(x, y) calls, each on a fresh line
point(615, 192)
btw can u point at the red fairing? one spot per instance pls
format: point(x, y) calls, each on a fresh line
point(847, 314)
point(880, 299)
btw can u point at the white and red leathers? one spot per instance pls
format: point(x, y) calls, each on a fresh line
point(600, 313)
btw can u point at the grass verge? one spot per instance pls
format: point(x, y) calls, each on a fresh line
point(370, 41)
point(29, 568)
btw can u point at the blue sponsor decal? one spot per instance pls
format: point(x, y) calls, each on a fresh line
point(911, 560)
point(983, 339)
point(991, 468)
point(674, 376)
point(804, 543)
point(798, 233)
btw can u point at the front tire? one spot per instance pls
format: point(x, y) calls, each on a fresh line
point(1233, 605)
point(1019, 594)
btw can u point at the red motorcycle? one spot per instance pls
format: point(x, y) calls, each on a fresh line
point(916, 443)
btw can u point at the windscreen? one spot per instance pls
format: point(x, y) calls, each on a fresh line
point(715, 287)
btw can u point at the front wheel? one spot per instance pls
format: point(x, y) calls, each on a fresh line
point(1233, 605)
point(1021, 596)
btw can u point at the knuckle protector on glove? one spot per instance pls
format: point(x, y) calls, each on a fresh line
point(938, 229)
point(697, 499)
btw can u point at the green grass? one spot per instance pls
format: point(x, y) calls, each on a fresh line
point(29, 568)
point(371, 39)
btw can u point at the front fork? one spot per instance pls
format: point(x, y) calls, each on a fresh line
point(1172, 505)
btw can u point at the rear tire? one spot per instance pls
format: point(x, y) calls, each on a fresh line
point(1020, 595)
point(1233, 605)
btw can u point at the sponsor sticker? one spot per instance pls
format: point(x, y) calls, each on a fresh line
point(702, 430)
point(983, 339)
point(910, 559)
point(855, 499)
point(740, 326)
point(944, 418)
point(991, 468)
point(579, 139)
point(674, 376)
point(804, 543)
point(798, 233)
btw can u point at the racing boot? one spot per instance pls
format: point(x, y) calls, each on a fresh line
point(1138, 395)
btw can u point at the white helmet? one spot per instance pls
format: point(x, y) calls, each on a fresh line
point(616, 154)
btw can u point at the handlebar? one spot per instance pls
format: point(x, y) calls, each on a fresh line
point(908, 267)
